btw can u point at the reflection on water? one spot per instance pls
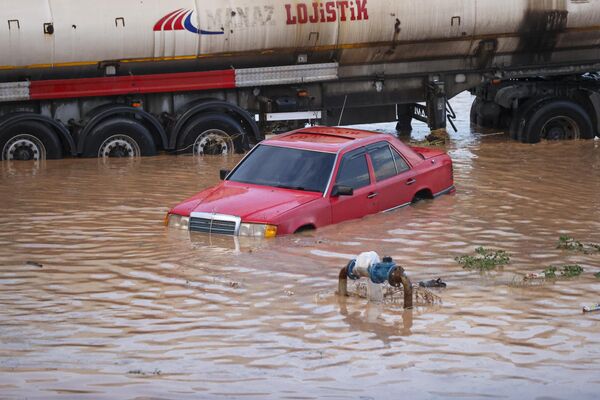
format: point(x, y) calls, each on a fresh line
point(122, 307)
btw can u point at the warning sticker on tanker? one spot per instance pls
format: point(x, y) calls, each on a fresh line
point(216, 21)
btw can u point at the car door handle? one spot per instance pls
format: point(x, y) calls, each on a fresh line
point(411, 181)
point(372, 195)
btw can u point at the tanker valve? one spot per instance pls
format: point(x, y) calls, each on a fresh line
point(368, 265)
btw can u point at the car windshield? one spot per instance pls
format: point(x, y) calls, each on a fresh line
point(286, 168)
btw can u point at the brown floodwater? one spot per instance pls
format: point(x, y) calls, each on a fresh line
point(124, 308)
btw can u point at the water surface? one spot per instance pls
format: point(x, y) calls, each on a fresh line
point(124, 308)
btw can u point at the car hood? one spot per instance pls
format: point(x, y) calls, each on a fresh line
point(252, 203)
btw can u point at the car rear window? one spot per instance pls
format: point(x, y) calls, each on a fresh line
point(285, 168)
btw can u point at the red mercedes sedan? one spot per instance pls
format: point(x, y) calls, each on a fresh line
point(312, 177)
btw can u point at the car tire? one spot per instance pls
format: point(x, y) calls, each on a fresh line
point(211, 134)
point(119, 137)
point(557, 120)
point(29, 140)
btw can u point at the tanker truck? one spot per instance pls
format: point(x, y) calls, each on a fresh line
point(134, 77)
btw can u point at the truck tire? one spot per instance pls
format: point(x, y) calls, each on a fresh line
point(490, 115)
point(211, 134)
point(557, 120)
point(29, 140)
point(119, 137)
point(522, 113)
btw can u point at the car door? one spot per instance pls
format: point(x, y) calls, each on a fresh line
point(394, 179)
point(354, 171)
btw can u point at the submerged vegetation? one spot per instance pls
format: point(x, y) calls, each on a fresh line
point(565, 271)
point(484, 259)
point(569, 243)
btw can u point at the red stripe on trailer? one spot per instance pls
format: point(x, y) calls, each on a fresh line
point(169, 25)
point(110, 86)
point(159, 25)
point(178, 24)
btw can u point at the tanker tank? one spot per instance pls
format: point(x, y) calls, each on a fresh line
point(44, 39)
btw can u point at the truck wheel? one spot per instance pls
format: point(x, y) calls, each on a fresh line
point(29, 140)
point(522, 113)
point(119, 137)
point(557, 120)
point(211, 134)
point(489, 115)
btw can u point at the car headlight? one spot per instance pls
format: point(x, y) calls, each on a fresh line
point(258, 230)
point(177, 221)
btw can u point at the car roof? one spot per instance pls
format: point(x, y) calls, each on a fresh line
point(324, 138)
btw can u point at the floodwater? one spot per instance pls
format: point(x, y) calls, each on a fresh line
point(121, 307)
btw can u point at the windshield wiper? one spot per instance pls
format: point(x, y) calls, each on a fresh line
point(289, 187)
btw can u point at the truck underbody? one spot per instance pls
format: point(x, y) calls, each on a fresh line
point(215, 112)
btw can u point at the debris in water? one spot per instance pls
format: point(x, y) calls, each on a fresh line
point(437, 137)
point(597, 275)
point(535, 275)
point(140, 372)
point(591, 308)
point(34, 264)
point(568, 243)
point(235, 285)
point(485, 259)
point(426, 297)
point(135, 372)
point(395, 295)
point(533, 279)
point(438, 283)
point(288, 292)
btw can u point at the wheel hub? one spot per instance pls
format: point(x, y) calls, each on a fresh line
point(119, 146)
point(24, 148)
point(213, 142)
point(560, 128)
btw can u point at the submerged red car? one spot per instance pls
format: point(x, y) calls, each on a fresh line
point(312, 177)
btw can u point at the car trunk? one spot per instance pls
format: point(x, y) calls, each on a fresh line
point(427, 152)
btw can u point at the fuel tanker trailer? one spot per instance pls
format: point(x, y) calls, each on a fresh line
point(133, 77)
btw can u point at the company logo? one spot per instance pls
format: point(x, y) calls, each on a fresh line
point(181, 20)
point(327, 11)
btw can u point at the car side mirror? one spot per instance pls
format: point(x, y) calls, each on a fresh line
point(223, 173)
point(341, 190)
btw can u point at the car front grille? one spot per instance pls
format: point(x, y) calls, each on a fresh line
point(214, 223)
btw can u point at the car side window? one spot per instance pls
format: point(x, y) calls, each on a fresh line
point(401, 165)
point(387, 162)
point(354, 171)
point(383, 162)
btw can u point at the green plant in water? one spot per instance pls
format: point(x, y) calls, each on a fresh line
point(566, 271)
point(597, 275)
point(484, 259)
point(570, 271)
point(569, 243)
point(550, 272)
